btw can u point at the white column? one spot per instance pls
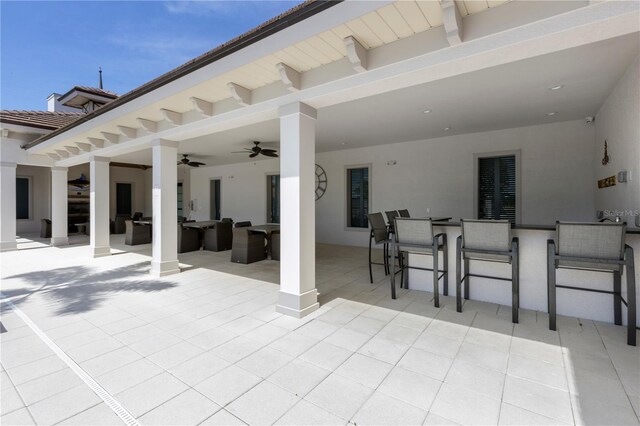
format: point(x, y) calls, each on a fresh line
point(165, 208)
point(298, 295)
point(59, 205)
point(8, 206)
point(99, 206)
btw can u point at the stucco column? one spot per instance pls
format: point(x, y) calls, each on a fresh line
point(99, 207)
point(59, 206)
point(165, 208)
point(298, 294)
point(8, 206)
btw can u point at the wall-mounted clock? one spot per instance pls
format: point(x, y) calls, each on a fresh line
point(321, 182)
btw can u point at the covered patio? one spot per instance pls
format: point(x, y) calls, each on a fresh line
point(390, 114)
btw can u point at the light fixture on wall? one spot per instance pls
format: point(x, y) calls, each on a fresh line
point(606, 158)
point(392, 163)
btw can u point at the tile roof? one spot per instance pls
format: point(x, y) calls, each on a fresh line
point(40, 119)
point(94, 90)
point(292, 16)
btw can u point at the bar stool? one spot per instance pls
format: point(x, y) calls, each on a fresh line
point(598, 247)
point(488, 241)
point(380, 235)
point(404, 213)
point(415, 236)
point(390, 216)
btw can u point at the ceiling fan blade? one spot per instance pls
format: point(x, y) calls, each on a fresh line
point(238, 152)
point(255, 154)
point(179, 163)
point(269, 154)
point(196, 163)
point(269, 150)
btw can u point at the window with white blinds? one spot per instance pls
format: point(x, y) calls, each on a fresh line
point(497, 188)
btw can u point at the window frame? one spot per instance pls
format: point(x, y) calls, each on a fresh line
point(347, 198)
point(29, 197)
point(476, 168)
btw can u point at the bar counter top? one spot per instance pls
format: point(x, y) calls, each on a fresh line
point(630, 230)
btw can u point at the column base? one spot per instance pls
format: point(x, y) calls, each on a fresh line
point(59, 241)
point(8, 245)
point(101, 251)
point(162, 269)
point(297, 305)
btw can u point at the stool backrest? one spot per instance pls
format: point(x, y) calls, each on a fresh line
point(243, 224)
point(486, 234)
point(591, 240)
point(414, 231)
point(391, 215)
point(378, 227)
point(404, 213)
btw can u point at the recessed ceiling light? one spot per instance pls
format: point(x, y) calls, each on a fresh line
point(426, 111)
point(551, 114)
point(446, 129)
point(556, 87)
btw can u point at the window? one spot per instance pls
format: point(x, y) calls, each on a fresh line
point(357, 197)
point(273, 198)
point(123, 198)
point(180, 201)
point(497, 184)
point(23, 207)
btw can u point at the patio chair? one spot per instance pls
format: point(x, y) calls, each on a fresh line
point(404, 213)
point(227, 219)
point(248, 247)
point(487, 241)
point(119, 226)
point(188, 239)
point(136, 234)
point(137, 216)
point(379, 235)
point(415, 236)
point(45, 228)
point(242, 224)
point(219, 237)
point(391, 215)
point(275, 245)
point(598, 247)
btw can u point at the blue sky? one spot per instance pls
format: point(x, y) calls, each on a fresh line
point(48, 47)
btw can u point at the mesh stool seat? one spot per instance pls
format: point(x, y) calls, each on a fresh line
point(379, 235)
point(404, 213)
point(487, 241)
point(415, 236)
point(598, 247)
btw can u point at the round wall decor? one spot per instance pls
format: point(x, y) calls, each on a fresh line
point(321, 182)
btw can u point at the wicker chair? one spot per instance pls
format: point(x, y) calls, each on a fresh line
point(188, 239)
point(379, 235)
point(415, 236)
point(404, 213)
point(275, 245)
point(219, 237)
point(45, 228)
point(242, 224)
point(489, 241)
point(136, 234)
point(248, 247)
point(119, 226)
point(598, 247)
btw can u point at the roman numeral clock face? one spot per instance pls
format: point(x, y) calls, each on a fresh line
point(321, 182)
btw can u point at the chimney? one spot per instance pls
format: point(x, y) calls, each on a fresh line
point(53, 105)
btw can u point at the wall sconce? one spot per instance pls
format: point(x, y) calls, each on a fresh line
point(392, 163)
point(606, 158)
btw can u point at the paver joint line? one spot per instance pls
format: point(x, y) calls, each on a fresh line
point(111, 402)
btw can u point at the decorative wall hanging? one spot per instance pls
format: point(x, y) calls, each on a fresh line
point(607, 182)
point(321, 182)
point(605, 159)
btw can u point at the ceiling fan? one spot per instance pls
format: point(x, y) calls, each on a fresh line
point(185, 160)
point(256, 150)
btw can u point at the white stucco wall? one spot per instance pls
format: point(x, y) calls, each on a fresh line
point(39, 197)
point(618, 122)
point(437, 174)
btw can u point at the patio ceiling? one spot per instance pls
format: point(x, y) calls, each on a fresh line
point(506, 96)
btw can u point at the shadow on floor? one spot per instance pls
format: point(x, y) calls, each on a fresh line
point(79, 289)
